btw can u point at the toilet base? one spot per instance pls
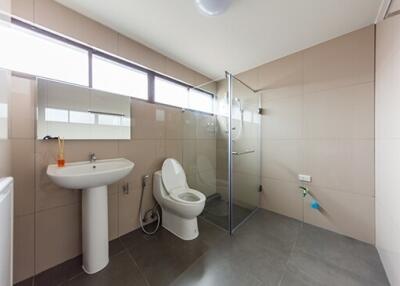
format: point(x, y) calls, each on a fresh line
point(186, 229)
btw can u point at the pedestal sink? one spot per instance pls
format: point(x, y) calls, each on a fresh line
point(92, 178)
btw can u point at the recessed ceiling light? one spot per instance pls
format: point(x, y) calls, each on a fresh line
point(213, 7)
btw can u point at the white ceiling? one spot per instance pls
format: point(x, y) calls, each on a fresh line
point(250, 33)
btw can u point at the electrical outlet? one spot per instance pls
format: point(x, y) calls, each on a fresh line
point(305, 178)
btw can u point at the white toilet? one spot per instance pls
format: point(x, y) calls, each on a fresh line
point(180, 205)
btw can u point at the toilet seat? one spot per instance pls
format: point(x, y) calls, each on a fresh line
point(174, 180)
point(187, 196)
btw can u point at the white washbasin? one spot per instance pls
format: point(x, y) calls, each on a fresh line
point(92, 178)
point(84, 175)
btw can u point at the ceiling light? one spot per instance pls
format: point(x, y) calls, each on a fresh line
point(213, 7)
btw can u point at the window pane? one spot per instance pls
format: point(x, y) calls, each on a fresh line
point(201, 101)
point(113, 77)
point(170, 93)
point(57, 115)
point(112, 120)
point(81, 117)
point(25, 51)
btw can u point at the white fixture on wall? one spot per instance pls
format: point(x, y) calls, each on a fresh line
point(92, 177)
point(213, 7)
point(6, 231)
point(305, 178)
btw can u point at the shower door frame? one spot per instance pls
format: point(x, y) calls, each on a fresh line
point(230, 77)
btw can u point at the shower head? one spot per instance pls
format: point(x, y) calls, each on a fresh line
point(237, 99)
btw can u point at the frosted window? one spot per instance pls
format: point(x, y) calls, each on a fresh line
point(170, 93)
point(24, 51)
point(116, 78)
point(201, 101)
point(3, 110)
point(57, 115)
point(111, 120)
point(81, 117)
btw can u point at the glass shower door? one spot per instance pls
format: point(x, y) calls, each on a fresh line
point(244, 151)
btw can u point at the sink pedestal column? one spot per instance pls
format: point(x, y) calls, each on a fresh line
point(94, 229)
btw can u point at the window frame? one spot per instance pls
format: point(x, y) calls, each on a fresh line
point(151, 74)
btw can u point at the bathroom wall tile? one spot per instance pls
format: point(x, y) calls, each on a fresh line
point(346, 165)
point(155, 61)
point(251, 78)
point(97, 35)
point(5, 155)
point(174, 149)
point(190, 157)
point(58, 236)
point(128, 210)
point(148, 120)
point(173, 123)
point(148, 156)
point(205, 154)
point(283, 116)
point(190, 124)
point(340, 113)
point(205, 182)
point(205, 126)
point(343, 61)
point(23, 9)
point(283, 73)
point(24, 247)
point(179, 71)
point(282, 197)
point(56, 17)
point(246, 189)
point(112, 215)
point(23, 171)
point(282, 159)
point(130, 50)
point(22, 108)
point(345, 213)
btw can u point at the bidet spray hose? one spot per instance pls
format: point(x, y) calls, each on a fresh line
point(154, 210)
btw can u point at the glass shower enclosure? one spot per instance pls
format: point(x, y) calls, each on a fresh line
point(234, 184)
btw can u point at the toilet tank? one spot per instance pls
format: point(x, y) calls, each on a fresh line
point(6, 231)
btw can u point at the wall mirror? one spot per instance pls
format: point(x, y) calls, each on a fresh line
point(75, 112)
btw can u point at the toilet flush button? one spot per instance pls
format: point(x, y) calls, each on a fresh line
point(305, 178)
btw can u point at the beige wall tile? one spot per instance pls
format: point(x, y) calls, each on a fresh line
point(283, 118)
point(24, 247)
point(346, 213)
point(340, 113)
point(5, 155)
point(346, 165)
point(23, 171)
point(23, 9)
point(148, 120)
point(174, 149)
point(282, 159)
point(343, 61)
point(251, 78)
point(128, 210)
point(22, 108)
point(179, 71)
point(97, 35)
point(173, 123)
point(282, 74)
point(58, 236)
point(56, 17)
point(282, 197)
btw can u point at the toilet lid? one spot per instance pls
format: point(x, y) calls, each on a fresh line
point(173, 175)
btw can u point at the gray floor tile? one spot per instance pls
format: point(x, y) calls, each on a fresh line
point(293, 278)
point(325, 273)
point(164, 256)
point(212, 269)
point(343, 252)
point(121, 271)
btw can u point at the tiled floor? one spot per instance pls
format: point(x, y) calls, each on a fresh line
point(268, 249)
point(216, 210)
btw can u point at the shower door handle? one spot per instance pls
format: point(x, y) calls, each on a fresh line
point(243, 153)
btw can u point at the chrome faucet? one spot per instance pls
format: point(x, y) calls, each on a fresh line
point(92, 157)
